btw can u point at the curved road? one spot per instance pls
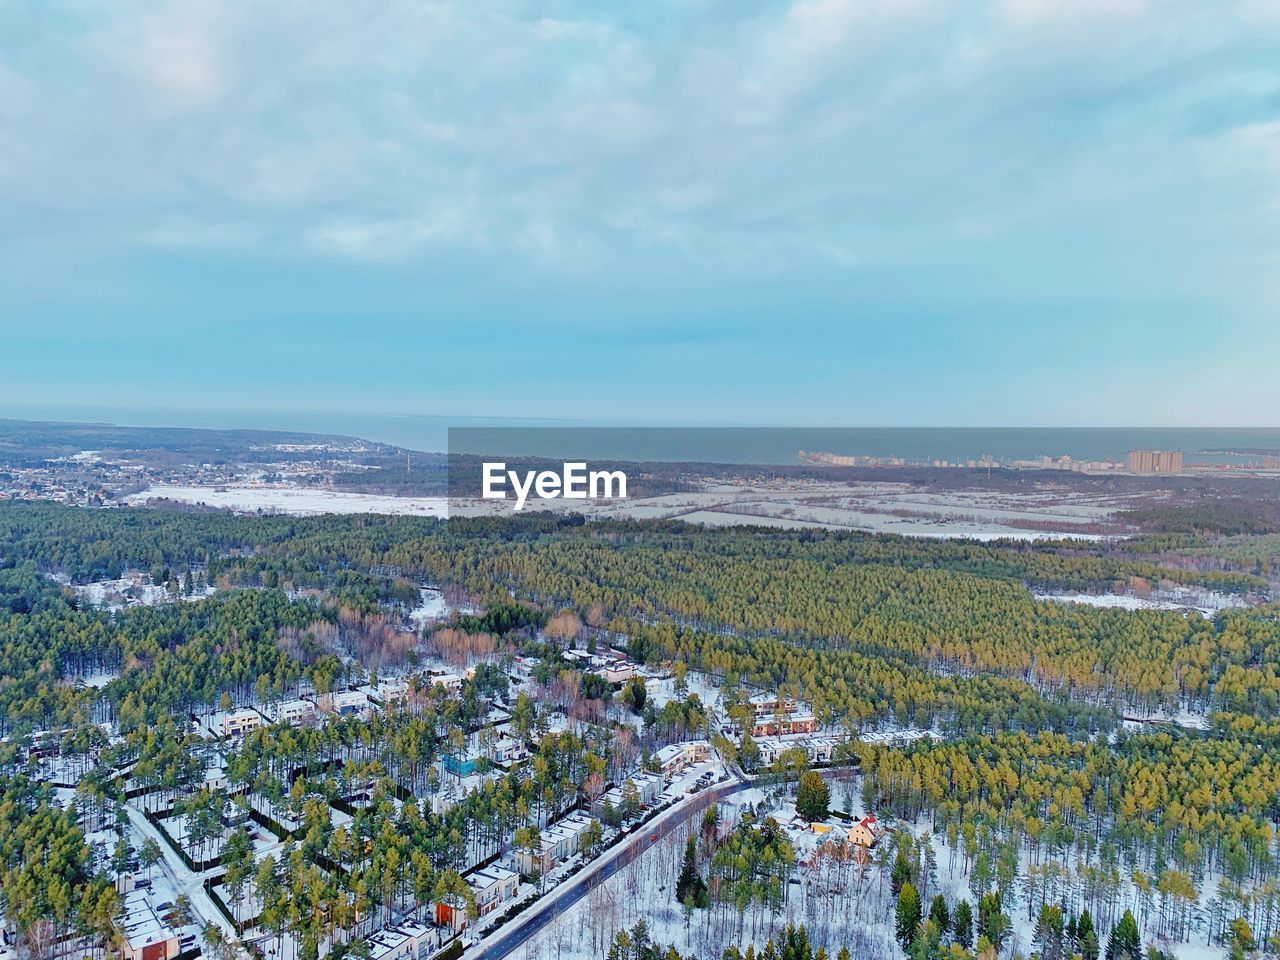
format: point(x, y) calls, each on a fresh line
point(503, 942)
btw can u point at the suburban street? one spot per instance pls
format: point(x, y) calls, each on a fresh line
point(539, 914)
point(181, 879)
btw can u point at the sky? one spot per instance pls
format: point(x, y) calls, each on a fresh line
point(852, 212)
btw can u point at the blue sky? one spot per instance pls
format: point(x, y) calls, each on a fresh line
point(917, 212)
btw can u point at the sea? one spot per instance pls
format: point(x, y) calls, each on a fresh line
point(739, 444)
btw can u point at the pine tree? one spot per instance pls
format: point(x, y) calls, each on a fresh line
point(992, 922)
point(1086, 937)
point(1125, 943)
point(1049, 931)
point(813, 796)
point(1242, 942)
point(907, 916)
point(962, 925)
point(690, 887)
point(940, 915)
point(901, 872)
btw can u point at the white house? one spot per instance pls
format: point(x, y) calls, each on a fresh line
point(239, 722)
point(493, 886)
point(675, 758)
point(146, 936)
point(408, 940)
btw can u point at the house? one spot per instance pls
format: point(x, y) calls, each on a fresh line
point(350, 703)
point(576, 826)
point(451, 914)
point(776, 715)
point(239, 722)
point(618, 672)
point(409, 940)
point(867, 832)
point(295, 712)
point(675, 758)
point(493, 886)
point(451, 682)
point(648, 788)
point(392, 691)
point(817, 749)
point(145, 935)
point(557, 842)
point(541, 860)
point(506, 749)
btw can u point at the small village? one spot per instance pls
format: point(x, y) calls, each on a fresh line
point(187, 858)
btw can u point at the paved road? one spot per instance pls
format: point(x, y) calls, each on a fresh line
point(179, 876)
point(616, 858)
point(505, 941)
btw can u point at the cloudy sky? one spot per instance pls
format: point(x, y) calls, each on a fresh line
point(1025, 212)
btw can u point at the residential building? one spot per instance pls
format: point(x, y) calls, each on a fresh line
point(239, 722)
point(393, 690)
point(409, 940)
point(493, 886)
point(506, 748)
point(776, 715)
point(648, 789)
point(350, 702)
point(145, 935)
point(817, 749)
point(556, 843)
point(1155, 461)
point(867, 832)
point(675, 758)
point(451, 682)
point(296, 713)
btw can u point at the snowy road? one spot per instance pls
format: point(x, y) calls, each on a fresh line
point(180, 878)
point(503, 942)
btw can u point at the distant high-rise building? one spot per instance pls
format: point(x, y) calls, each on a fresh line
point(1155, 461)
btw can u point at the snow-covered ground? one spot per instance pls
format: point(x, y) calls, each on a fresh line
point(868, 506)
point(133, 589)
point(1204, 602)
point(298, 501)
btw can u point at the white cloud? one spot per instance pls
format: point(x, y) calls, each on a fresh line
point(1045, 11)
point(890, 128)
point(178, 53)
point(453, 227)
point(184, 233)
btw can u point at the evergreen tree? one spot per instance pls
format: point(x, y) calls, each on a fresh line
point(1241, 942)
point(1125, 943)
point(901, 872)
point(962, 924)
point(907, 916)
point(1049, 932)
point(1086, 939)
point(993, 925)
point(813, 796)
point(690, 887)
point(940, 915)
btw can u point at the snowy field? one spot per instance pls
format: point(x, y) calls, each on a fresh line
point(866, 506)
point(134, 589)
point(1207, 603)
point(297, 501)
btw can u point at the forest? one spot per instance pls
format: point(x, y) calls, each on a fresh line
point(1032, 775)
